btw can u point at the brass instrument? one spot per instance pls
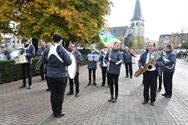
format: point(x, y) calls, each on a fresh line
point(169, 66)
point(148, 66)
point(38, 65)
point(20, 59)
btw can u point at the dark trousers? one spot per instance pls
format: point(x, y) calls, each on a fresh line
point(94, 75)
point(46, 78)
point(57, 87)
point(113, 81)
point(104, 75)
point(26, 70)
point(160, 82)
point(150, 82)
point(167, 80)
point(42, 71)
point(76, 81)
point(129, 69)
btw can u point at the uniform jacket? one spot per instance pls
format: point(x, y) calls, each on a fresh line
point(55, 68)
point(127, 57)
point(171, 56)
point(79, 59)
point(40, 52)
point(115, 56)
point(29, 52)
point(92, 64)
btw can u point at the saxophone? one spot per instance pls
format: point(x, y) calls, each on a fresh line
point(148, 66)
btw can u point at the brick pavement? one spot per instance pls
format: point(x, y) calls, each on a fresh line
point(30, 107)
point(92, 107)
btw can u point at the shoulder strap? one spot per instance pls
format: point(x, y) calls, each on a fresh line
point(53, 50)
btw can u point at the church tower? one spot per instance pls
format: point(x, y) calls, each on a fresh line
point(137, 22)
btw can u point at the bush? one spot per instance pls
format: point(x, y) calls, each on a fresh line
point(11, 72)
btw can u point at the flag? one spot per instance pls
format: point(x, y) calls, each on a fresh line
point(108, 38)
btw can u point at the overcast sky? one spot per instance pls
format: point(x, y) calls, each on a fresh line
point(161, 16)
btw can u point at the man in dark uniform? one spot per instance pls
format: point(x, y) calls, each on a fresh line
point(57, 59)
point(79, 60)
point(127, 58)
point(40, 53)
point(29, 51)
point(150, 76)
point(168, 70)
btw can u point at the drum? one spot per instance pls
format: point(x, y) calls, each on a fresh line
point(72, 69)
point(20, 59)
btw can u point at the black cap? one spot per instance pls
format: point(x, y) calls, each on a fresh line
point(57, 38)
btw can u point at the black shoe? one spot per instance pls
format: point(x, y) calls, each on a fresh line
point(69, 93)
point(159, 89)
point(29, 87)
point(152, 104)
point(126, 76)
point(59, 115)
point(95, 84)
point(167, 96)
point(144, 102)
point(77, 95)
point(23, 86)
point(131, 77)
point(114, 100)
point(111, 99)
point(47, 89)
point(102, 85)
point(89, 84)
point(164, 94)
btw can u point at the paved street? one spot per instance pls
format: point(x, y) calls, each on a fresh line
point(31, 107)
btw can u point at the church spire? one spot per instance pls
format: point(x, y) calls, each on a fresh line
point(137, 12)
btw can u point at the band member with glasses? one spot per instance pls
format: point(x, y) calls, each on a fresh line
point(29, 51)
point(150, 76)
point(79, 60)
point(57, 59)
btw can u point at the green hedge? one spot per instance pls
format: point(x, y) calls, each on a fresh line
point(11, 72)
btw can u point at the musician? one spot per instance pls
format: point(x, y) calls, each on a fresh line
point(150, 76)
point(40, 53)
point(92, 59)
point(57, 59)
point(127, 58)
point(114, 58)
point(103, 64)
point(169, 62)
point(28, 50)
point(48, 45)
point(79, 60)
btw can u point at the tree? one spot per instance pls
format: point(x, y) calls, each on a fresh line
point(76, 20)
point(137, 43)
point(185, 45)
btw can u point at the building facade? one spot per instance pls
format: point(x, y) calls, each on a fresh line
point(175, 39)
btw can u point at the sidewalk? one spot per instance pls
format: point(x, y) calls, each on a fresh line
point(31, 107)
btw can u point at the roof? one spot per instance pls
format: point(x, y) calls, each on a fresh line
point(137, 12)
point(119, 31)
